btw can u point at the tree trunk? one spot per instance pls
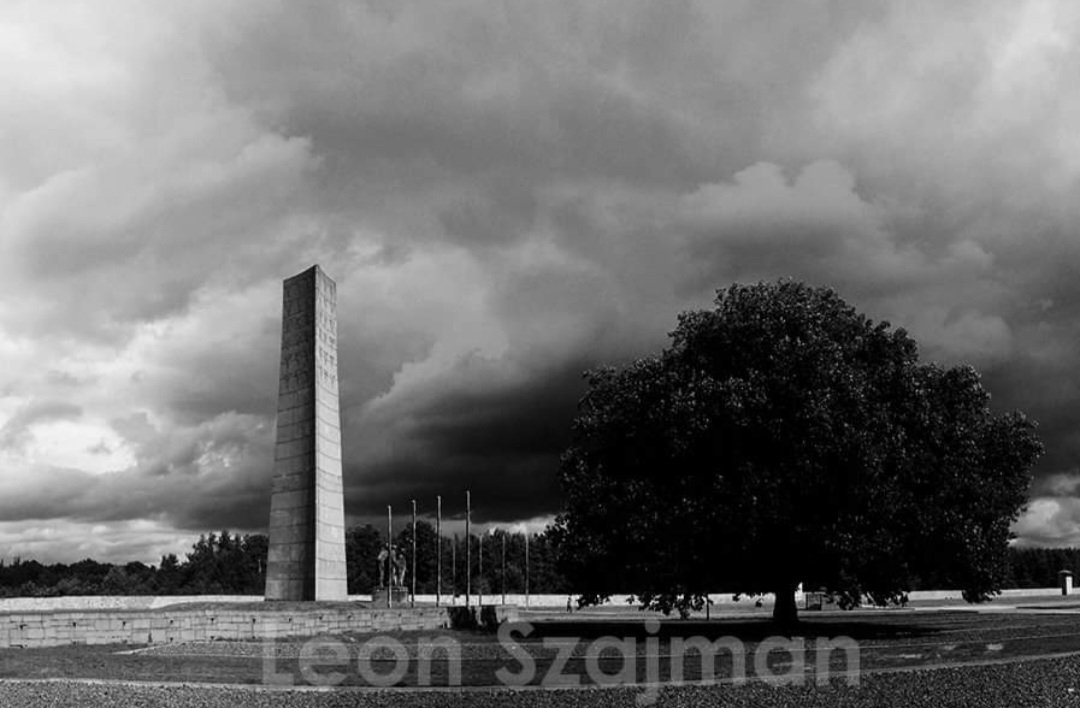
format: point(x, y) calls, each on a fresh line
point(785, 611)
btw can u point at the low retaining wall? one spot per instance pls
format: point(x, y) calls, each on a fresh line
point(112, 602)
point(1013, 594)
point(43, 629)
point(74, 603)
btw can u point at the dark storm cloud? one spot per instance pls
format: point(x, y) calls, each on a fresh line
point(503, 442)
point(507, 194)
point(511, 85)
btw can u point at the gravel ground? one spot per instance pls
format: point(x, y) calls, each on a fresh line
point(1037, 683)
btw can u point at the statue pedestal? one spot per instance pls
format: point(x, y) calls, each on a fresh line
point(398, 594)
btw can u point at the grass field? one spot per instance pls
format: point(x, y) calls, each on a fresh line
point(909, 658)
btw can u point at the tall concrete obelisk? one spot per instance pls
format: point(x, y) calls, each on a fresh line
point(307, 510)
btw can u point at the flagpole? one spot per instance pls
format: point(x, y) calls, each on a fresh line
point(438, 549)
point(468, 548)
point(413, 603)
point(390, 556)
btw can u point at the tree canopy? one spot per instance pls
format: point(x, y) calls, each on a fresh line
point(785, 438)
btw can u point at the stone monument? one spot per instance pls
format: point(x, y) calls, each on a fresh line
point(307, 516)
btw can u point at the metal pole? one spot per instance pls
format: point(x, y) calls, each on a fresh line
point(390, 556)
point(453, 570)
point(503, 569)
point(468, 548)
point(438, 549)
point(413, 603)
point(480, 570)
point(526, 569)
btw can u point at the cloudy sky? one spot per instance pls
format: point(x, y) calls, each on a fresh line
point(506, 193)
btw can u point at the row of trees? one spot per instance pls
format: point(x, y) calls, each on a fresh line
point(230, 564)
point(1039, 567)
point(222, 563)
point(227, 564)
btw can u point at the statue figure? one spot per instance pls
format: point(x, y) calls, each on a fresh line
point(383, 555)
point(391, 567)
point(399, 568)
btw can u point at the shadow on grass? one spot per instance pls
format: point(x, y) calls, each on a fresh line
point(746, 630)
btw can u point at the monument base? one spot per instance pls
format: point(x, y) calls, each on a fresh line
point(398, 594)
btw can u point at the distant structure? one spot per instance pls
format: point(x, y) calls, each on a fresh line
point(307, 515)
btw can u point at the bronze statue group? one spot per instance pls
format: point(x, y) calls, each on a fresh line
point(392, 564)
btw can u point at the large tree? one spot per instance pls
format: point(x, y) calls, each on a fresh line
point(784, 437)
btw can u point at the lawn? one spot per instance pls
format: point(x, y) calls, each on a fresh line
point(902, 658)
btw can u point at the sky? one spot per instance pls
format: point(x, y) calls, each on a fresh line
point(507, 193)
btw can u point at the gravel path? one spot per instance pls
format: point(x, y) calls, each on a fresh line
point(1047, 683)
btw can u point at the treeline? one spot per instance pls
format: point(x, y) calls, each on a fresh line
point(1039, 567)
point(1024, 568)
point(222, 563)
point(229, 564)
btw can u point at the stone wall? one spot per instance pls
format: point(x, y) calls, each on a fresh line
point(41, 629)
point(116, 602)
